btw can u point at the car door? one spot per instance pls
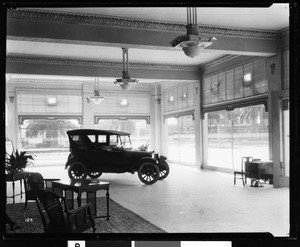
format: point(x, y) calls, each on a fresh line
point(114, 155)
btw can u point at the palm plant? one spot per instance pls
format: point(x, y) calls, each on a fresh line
point(17, 162)
point(51, 129)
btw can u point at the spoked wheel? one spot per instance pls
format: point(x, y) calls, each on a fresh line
point(94, 174)
point(77, 171)
point(164, 171)
point(148, 173)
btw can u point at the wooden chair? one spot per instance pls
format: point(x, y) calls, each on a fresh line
point(57, 218)
point(241, 174)
point(35, 184)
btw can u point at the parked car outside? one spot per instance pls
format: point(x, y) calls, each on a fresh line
point(93, 152)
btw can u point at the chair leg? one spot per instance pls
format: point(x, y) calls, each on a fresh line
point(234, 179)
point(243, 179)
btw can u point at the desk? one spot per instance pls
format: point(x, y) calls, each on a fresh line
point(90, 187)
point(257, 170)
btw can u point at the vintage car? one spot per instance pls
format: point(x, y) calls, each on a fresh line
point(93, 152)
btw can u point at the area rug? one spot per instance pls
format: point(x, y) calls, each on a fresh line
point(121, 219)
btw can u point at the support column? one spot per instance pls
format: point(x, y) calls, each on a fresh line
point(274, 85)
point(11, 118)
point(158, 118)
point(198, 126)
point(88, 108)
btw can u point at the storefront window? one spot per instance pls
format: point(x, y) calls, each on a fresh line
point(237, 133)
point(138, 128)
point(46, 139)
point(181, 139)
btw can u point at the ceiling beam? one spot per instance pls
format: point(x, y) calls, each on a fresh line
point(229, 41)
point(73, 67)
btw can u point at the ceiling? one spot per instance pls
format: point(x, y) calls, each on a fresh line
point(273, 18)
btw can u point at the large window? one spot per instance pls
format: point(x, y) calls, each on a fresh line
point(138, 128)
point(237, 133)
point(46, 139)
point(181, 139)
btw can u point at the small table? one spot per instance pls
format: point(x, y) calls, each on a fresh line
point(90, 187)
point(259, 169)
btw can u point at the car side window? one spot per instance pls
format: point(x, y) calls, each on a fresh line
point(102, 140)
point(80, 141)
point(92, 138)
point(113, 140)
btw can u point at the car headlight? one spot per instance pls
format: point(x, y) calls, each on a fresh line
point(156, 156)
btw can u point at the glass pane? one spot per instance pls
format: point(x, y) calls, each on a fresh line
point(250, 134)
point(181, 139)
point(233, 135)
point(219, 139)
point(173, 137)
point(186, 139)
point(102, 139)
point(92, 138)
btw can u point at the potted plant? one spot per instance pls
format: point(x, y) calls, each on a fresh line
point(15, 164)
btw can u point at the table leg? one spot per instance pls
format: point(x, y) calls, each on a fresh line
point(21, 187)
point(13, 188)
point(69, 195)
point(92, 198)
point(79, 199)
point(107, 204)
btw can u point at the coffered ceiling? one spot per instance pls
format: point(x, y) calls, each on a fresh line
point(100, 33)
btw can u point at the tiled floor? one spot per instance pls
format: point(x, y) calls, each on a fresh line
point(198, 201)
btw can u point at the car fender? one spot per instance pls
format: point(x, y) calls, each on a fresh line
point(162, 158)
point(71, 160)
point(148, 159)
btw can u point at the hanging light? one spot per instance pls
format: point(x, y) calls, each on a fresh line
point(126, 82)
point(191, 43)
point(96, 98)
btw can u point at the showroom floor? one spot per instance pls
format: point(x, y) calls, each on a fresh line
point(195, 201)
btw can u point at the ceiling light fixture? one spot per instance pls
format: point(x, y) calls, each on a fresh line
point(96, 98)
point(51, 101)
point(126, 82)
point(191, 43)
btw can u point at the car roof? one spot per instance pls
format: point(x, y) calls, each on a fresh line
point(95, 131)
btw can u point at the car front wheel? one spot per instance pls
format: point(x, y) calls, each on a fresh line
point(164, 171)
point(77, 170)
point(94, 174)
point(148, 173)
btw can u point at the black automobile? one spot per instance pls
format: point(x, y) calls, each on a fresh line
point(93, 152)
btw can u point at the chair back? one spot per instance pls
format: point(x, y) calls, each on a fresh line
point(34, 184)
point(51, 209)
point(247, 159)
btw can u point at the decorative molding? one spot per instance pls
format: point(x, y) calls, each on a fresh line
point(232, 104)
point(122, 117)
point(96, 63)
point(179, 113)
point(22, 118)
point(130, 23)
point(217, 61)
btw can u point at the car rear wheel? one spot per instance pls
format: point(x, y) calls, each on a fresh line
point(164, 171)
point(94, 174)
point(148, 173)
point(77, 170)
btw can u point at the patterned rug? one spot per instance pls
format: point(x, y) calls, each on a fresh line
point(121, 219)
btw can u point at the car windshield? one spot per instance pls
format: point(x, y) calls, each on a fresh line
point(125, 141)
